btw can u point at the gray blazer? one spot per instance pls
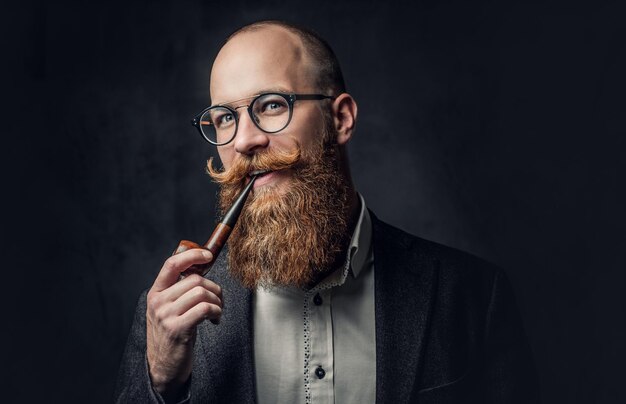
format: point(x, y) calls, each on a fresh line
point(447, 331)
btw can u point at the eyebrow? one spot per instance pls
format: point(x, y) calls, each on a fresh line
point(283, 90)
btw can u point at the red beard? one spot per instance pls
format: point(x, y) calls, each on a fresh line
point(289, 238)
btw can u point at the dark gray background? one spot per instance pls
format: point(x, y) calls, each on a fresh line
point(494, 127)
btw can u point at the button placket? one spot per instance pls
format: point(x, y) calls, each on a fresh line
point(307, 348)
point(321, 345)
point(318, 330)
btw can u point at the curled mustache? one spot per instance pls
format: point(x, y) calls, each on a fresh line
point(271, 159)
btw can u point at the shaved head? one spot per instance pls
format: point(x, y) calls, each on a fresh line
point(270, 52)
point(316, 52)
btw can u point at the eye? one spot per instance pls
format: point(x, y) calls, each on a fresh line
point(222, 120)
point(270, 105)
point(226, 118)
point(273, 105)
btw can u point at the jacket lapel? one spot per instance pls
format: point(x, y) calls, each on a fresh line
point(230, 370)
point(405, 280)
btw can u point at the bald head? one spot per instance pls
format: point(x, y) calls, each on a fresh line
point(270, 58)
point(289, 47)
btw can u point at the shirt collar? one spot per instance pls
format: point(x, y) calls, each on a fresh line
point(361, 242)
point(358, 254)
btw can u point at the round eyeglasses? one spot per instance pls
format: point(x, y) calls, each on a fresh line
point(270, 112)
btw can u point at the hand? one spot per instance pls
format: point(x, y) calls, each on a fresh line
point(174, 309)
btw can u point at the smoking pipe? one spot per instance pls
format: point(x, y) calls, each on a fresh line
point(219, 236)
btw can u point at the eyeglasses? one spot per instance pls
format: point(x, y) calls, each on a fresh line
point(270, 112)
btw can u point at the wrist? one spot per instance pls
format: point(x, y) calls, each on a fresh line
point(171, 390)
point(161, 382)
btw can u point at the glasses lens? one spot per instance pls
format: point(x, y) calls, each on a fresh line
point(271, 112)
point(218, 125)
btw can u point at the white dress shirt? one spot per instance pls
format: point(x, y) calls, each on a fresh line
point(319, 345)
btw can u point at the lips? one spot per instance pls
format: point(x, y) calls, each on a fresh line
point(264, 177)
point(260, 173)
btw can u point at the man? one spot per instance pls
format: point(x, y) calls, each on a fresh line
point(318, 301)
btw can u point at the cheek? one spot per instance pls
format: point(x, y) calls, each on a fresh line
point(306, 128)
point(289, 140)
point(226, 156)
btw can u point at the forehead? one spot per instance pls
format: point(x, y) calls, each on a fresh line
point(269, 58)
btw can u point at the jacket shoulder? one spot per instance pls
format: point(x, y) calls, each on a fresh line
point(449, 261)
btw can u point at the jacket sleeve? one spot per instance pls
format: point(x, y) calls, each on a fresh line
point(510, 371)
point(133, 381)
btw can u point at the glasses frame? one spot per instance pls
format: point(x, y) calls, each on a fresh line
point(290, 98)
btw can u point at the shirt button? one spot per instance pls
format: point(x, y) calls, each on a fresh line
point(320, 372)
point(317, 299)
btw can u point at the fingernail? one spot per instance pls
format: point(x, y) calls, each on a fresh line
point(207, 254)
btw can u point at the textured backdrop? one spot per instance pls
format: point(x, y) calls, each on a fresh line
point(494, 127)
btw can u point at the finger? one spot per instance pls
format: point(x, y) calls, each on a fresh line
point(191, 298)
point(178, 289)
point(185, 245)
point(176, 264)
point(198, 313)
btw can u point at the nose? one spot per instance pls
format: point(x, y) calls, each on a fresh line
point(249, 138)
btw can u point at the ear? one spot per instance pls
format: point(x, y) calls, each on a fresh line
point(344, 116)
